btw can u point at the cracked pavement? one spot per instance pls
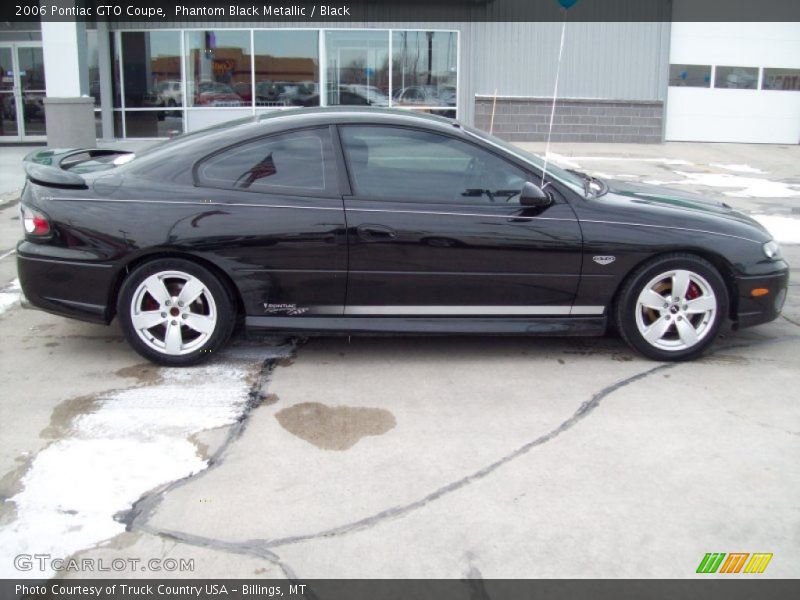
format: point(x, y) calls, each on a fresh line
point(428, 457)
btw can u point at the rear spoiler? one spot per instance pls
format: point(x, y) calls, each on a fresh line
point(53, 176)
point(74, 157)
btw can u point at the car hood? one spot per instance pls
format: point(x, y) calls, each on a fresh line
point(684, 208)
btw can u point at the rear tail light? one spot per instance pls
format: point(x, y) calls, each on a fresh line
point(34, 222)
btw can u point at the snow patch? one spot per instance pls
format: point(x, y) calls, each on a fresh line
point(785, 230)
point(663, 161)
point(739, 168)
point(134, 441)
point(9, 296)
point(569, 163)
point(749, 187)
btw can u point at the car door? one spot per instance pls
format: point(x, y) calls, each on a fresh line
point(435, 227)
point(277, 222)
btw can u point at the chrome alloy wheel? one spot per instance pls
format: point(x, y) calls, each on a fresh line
point(173, 312)
point(676, 310)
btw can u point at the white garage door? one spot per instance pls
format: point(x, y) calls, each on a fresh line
point(734, 82)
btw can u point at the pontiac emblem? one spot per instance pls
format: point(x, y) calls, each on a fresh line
point(604, 260)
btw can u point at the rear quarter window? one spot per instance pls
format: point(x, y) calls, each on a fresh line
point(295, 163)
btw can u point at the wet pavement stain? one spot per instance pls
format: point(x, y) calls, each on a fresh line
point(145, 373)
point(334, 428)
point(270, 399)
point(64, 413)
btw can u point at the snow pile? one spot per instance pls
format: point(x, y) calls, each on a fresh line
point(135, 440)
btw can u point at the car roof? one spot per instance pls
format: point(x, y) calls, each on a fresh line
point(350, 114)
point(240, 130)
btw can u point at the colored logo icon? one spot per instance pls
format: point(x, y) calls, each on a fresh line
point(736, 562)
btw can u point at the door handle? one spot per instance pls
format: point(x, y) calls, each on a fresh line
point(375, 233)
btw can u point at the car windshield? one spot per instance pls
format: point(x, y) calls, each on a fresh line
point(571, 180)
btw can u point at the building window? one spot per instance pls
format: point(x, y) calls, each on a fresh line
point(424, 65)
point(358, 68)
point(151, 69)
point(152, 124)
point(218, 70)
point(740, 78)
point(286, 67)
point(690, 76)
point(93, 65)
point(781, 79)
point(147, 86)
point(116, 71)
point(255, 70)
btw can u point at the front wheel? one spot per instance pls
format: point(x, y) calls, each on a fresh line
point(175, 312)
point(672, 307)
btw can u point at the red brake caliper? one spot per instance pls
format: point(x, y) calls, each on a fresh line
point(693, 291)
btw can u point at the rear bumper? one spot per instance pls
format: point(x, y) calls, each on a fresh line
point(64, 287)
point(754, 310)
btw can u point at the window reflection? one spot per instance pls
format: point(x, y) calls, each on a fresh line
point(742, 78)
point(358, 68)
point(286, 68)
point(152, 69)
point(152, 124)
point(404, 164)
point(93, 66)
point(782, 79)
point(424, 65)
point(282, 163)
point(218, 68)
point(690, 76)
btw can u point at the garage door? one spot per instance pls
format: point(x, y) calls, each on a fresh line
point(734, 82)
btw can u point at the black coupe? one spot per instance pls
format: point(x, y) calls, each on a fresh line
point(365, 221)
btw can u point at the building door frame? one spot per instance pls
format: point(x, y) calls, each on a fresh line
point(17, 92)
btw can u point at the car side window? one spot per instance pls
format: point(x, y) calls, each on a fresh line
point(396, 163)
point(294, 163)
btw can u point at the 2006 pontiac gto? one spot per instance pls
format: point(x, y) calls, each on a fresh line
point(365, 221)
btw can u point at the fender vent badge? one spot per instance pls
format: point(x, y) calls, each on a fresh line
point(604, 260)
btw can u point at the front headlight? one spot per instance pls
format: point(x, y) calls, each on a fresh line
point(772, 250)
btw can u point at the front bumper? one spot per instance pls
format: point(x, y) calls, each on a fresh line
point(70, 288)
point(754, 310)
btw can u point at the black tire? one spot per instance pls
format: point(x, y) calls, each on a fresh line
point(705, 284)
point(214, 309)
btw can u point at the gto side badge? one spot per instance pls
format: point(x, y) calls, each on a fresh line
point(287, 309)
point(604, 260)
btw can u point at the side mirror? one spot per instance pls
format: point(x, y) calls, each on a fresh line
point(534, 196)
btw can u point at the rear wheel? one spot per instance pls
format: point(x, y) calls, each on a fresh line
point(672, 307)
point(175, 312)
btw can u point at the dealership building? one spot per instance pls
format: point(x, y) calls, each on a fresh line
point(71, 83)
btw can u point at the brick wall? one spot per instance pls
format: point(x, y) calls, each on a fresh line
point(527, 120)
